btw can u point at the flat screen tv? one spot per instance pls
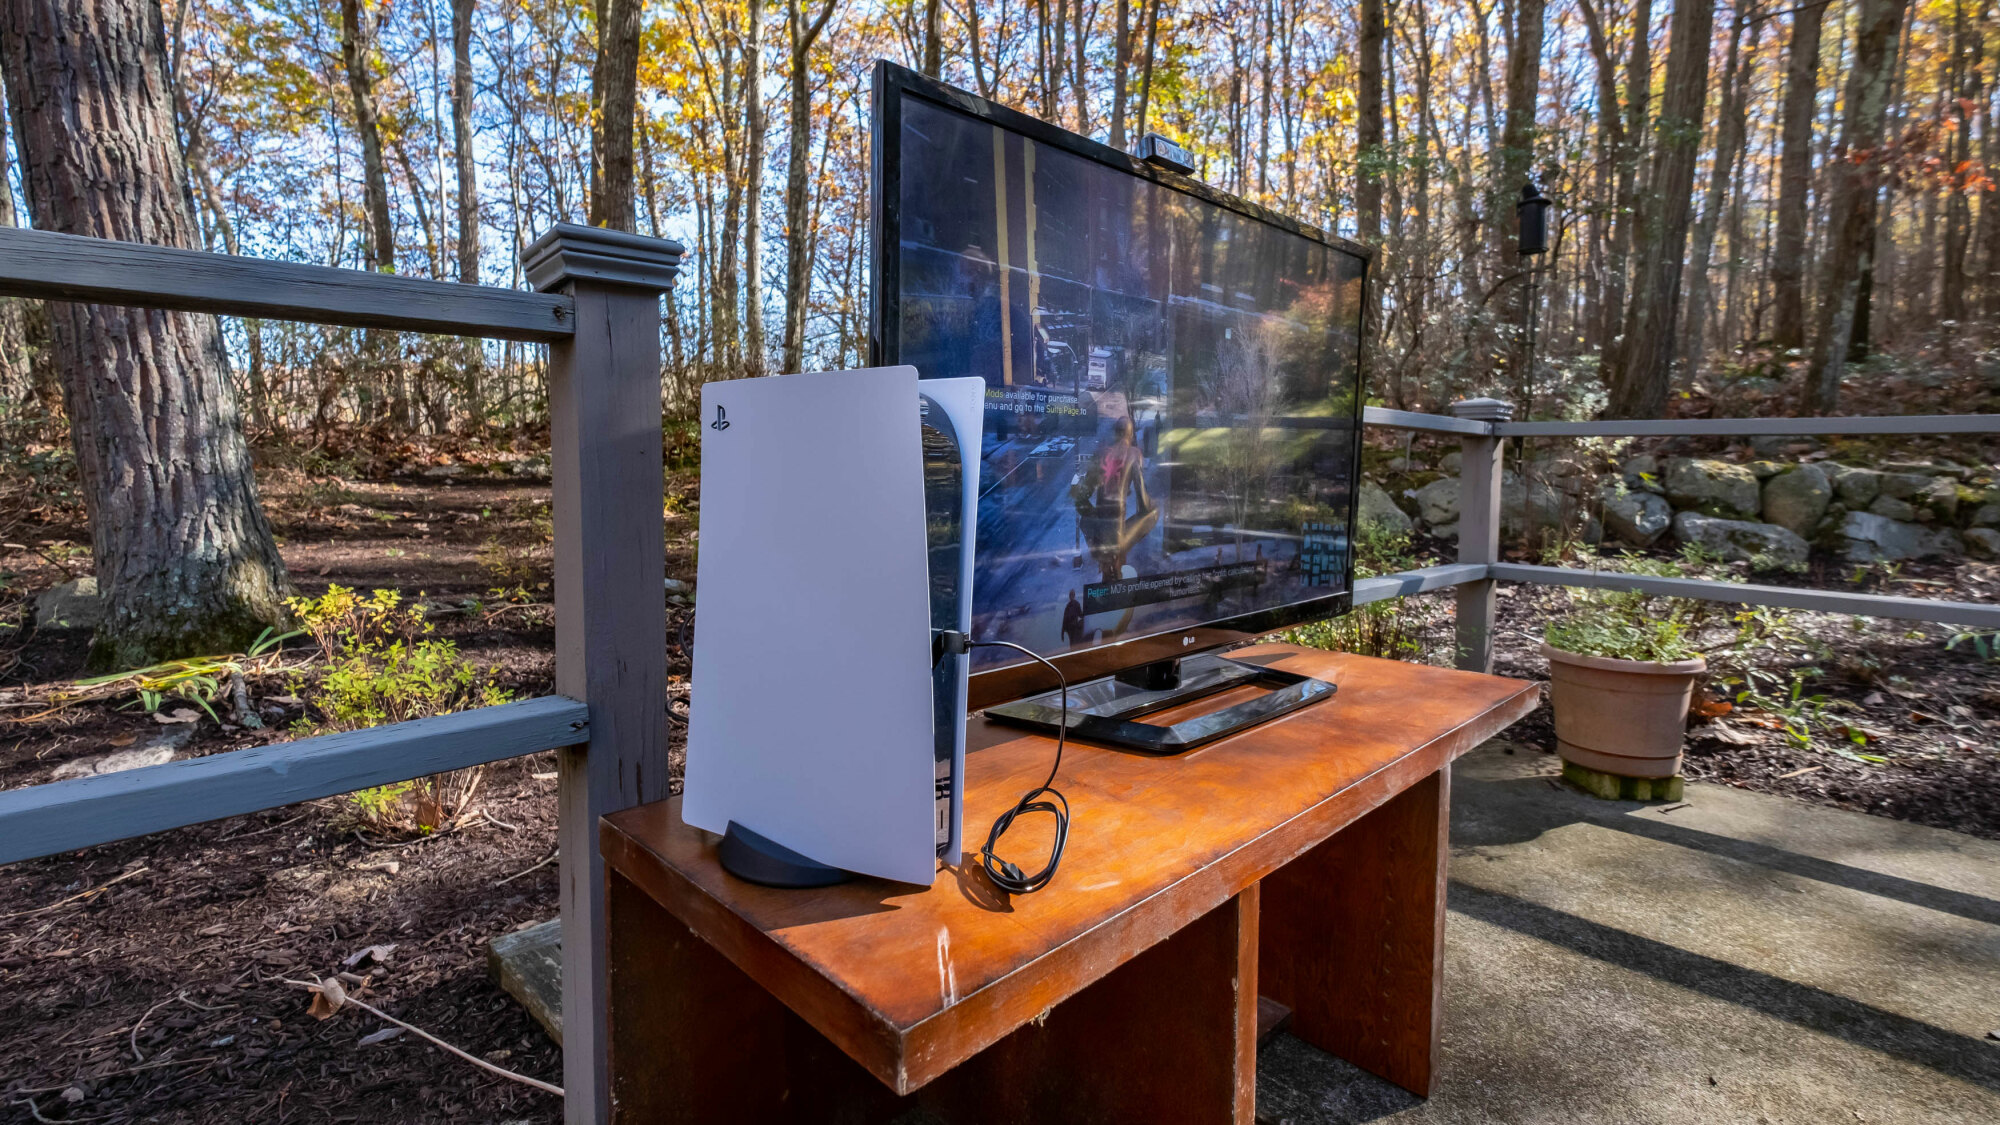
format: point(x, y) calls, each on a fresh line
point(1173, 385)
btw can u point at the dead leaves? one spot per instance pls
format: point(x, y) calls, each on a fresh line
point(177, 715)
point(327, 1000)
point(378, 954)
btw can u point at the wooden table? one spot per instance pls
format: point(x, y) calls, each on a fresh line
point(1303, 860)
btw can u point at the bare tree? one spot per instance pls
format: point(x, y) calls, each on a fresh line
point(1729, 131)
point(1368, 154)
point(753, 187)
point(16, 372)
point(181, 546)
point(1788, 249)
point(614, 86)
point(1121, 61)
point(1853, 174)
point(798, 269)
point(461, 133)
point(355, 41)
point(1645, 357)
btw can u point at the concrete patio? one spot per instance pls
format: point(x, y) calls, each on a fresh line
point(1737, 958)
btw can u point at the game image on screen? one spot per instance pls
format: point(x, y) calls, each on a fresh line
point(1171, 385)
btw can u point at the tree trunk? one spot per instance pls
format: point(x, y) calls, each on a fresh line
point(1610, 150)
point(933, 38)
point(1146, 67)
point(1645, 361)
point(753, 188)
point(1852, 175)
point(1368, 154)
point(1788, 248)
point(1121, 61)
point(1965, 50)
point(354, 55)
point(461, 133)
point(16, 372)
point(1512, 171)
point(468, 199)
point(1624, 236)
point(182, 549)
point(798, 265)
point(1729, 130)
point(614, 86)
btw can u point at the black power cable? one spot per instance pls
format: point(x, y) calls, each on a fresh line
point(1005, 875)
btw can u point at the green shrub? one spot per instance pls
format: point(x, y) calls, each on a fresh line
point(383, 666)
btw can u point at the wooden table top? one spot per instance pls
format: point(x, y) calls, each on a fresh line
point(910, 981)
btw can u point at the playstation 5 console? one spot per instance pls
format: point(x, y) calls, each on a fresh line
point(837, 521)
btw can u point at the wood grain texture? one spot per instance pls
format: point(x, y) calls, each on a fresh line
point(59, 816)
point(65, 267)
point(1353, 937)
point(911, 981)
point(1168, 1036)
point(611, 625)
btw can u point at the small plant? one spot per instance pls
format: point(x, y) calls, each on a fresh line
point(1985, 646)
point(200, 680)
point(383, 666)
point(1627, 625)
point(1798, 715)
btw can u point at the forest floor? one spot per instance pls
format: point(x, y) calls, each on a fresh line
point(147, 980)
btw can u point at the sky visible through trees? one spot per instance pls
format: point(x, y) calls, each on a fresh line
point(1733, 193)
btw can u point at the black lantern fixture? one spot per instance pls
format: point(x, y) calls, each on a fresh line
point(1534, 215)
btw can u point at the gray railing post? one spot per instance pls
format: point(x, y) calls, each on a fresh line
point(610, 558)
point(1478, 529)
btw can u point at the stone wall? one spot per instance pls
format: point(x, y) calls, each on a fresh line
point(1771, 512)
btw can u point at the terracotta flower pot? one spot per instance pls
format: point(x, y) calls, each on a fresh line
point(1624, 717)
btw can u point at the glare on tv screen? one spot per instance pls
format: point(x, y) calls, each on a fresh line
point(1171, 387)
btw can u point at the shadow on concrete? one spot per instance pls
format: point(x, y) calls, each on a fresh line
point(1863, 1025)
point(1531, 814)
point(1297, 1082)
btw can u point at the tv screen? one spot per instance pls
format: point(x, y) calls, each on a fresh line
point(1172, 383)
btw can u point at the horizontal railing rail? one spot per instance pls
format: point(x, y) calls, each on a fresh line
point(1433, 423)
point(62, 816)
point(65, 267)
point(1404, 583)
point(1758, 427)
point(1971, 614)
point(1688, 427)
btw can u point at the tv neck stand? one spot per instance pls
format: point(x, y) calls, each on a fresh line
point(1109, 710)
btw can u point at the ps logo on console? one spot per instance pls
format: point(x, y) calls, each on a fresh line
point(721, 422)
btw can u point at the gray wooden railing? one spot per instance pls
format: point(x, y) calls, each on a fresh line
point(1483, 424)
point(597, 306)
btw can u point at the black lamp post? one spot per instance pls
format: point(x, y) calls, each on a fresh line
point(1534, 215)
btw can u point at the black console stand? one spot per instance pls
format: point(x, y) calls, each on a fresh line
point(756, 859)
point(1107, 710)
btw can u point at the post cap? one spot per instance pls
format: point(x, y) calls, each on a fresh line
point(1483, 409)
point(573, 252)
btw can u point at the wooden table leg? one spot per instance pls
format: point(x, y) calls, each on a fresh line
point(1352, 937)
point(1169, 1036)
point(694, 1040)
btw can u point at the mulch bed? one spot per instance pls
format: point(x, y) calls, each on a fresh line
point(146, 980)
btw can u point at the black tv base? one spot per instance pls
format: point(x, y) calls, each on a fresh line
point(1108, 710)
